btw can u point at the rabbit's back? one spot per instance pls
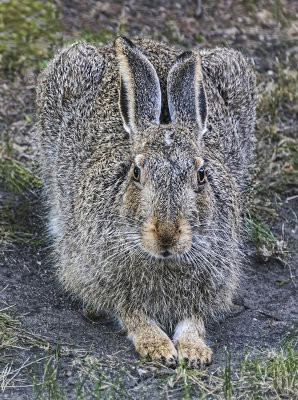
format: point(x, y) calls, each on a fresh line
point(230, 85)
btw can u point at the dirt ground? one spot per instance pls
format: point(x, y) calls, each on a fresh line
point(265, 308)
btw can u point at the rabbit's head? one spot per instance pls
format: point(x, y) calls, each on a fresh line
point(167, 194)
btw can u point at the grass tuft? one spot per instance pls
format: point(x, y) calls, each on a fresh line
point(18, 183)
point(48, 386)
point(227, 378)
point(279, 96)
point(273, 374)
point(8, 324)
point(267, 375)
point(261, 235)
point(12, 332)
point(16, 176)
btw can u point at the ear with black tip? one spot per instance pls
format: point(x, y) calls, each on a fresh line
point(185, 90)
point(140, 94)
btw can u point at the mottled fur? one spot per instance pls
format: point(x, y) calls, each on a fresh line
point(97, 213)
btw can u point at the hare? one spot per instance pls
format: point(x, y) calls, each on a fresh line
point(143, 154)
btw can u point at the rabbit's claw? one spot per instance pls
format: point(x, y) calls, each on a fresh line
point(194, 354)
point(158, 349)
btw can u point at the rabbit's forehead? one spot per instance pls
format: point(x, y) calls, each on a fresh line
point(170, 134)
point(175, 164)
point(169, 145)
point(177, 160)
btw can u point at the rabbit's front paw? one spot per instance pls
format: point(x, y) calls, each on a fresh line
point(156, 347)
point(194, 353)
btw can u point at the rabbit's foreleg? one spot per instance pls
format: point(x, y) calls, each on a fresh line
point(149, 339)
point(189, 338)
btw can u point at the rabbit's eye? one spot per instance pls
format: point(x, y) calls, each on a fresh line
point(137, 174)
point(201, 176)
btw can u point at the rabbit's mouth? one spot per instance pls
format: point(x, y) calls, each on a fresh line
point(166, 253)
point(163, 255)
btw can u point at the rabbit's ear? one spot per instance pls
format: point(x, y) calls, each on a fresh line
point(185, 90)
point(140, 95)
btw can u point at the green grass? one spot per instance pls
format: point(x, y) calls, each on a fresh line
point(261, 235)
point(170, 31)
point(276, 170)
point(16, 176)
point(90, 378)
point(227, 378)
point(27, 28)
point(279, 13)
point(285, 173)
point(30, 31)
point(91, 381)
point(280, 95)
point(271, 374)
point(268, 375)
point(8, 325)
point(99, 37)
point(276, 9)
point(18, 182)
point(47, 387)
point(16, 225)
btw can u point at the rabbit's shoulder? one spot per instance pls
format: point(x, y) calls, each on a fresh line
point(73, 74)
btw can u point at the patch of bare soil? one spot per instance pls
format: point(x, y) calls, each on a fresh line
point(265, 310)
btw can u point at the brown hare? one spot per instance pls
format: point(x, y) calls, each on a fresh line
point(144, 155)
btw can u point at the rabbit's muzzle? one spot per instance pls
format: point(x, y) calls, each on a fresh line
point(164, 238)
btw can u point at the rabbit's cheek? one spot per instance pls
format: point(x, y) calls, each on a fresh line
point(204, 204)
point(131, 201)
point(185, 241)
point(148, 237)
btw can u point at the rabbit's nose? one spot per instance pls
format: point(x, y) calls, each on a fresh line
point(167, 234)
point(166, 241)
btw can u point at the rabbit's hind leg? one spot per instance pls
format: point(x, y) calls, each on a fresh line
point(149, 339)
point(189, 338)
